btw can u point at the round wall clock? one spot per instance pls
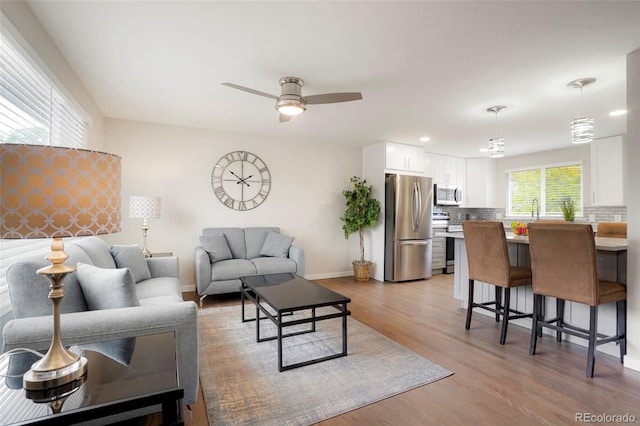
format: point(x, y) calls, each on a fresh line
point(241, 180)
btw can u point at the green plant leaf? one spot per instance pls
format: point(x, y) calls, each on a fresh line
point(362, 212)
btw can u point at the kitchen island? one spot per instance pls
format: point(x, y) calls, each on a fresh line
point(612, 266)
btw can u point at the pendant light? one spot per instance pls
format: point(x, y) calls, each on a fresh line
point(496, 144)
point(581, 127)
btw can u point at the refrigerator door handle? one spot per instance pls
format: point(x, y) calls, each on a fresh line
point(414, 243)
point(419, 211)
point(415, 207)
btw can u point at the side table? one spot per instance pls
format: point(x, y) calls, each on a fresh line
point(125, 377)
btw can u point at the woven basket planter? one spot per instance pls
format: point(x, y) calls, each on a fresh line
point(361, 270)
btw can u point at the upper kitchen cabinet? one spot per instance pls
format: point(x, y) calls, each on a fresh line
point(404, 157)
point(428, 164)
point(481, 183)
point(449, 171)
point(607, 172)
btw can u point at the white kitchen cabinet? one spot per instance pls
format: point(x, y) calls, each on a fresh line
point(404, 157)
point(428, 164)
point(449, 171)
point(607, 172)
point(481, 182)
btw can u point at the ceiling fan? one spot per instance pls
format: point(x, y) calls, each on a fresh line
point(291, 102)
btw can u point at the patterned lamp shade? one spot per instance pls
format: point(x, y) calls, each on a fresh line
point(144, 207)
point(53, 192)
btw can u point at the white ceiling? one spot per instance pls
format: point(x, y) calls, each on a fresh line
point(424, 68)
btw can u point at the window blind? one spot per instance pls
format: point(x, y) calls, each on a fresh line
point(32, 109)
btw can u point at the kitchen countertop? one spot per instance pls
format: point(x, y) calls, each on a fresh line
point(602, 243)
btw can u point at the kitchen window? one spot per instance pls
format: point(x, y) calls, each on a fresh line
point(549, 185)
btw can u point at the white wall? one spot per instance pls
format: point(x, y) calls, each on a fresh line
point(175, 163)
point(572, 153)
point(54, 64)
point(632, 359)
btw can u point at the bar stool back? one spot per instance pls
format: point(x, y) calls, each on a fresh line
point(612, 229)
point(563, 261)
point(488, 259)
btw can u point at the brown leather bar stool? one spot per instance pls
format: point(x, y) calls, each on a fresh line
point(612, 229)
point(488, 259)
point(563, 261)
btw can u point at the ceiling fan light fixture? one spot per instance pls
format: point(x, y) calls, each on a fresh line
point(290, 109)
point(291, 103)
point(581, 127)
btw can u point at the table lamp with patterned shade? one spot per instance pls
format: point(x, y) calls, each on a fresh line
point(54, 192)
point(144, 208)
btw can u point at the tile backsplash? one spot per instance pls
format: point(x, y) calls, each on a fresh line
point(600, 214)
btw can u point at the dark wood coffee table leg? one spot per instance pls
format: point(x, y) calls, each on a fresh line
point(344, 329)
point(279, 317)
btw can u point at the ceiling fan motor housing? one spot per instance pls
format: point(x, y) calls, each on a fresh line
point(291, 94)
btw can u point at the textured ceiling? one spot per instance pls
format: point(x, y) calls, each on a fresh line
point(424, 68)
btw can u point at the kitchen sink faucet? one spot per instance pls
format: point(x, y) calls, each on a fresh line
point(537, 210)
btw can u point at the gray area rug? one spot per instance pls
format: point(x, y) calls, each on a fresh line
point(242, 385)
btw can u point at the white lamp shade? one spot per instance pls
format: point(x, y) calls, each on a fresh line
point(144, 207)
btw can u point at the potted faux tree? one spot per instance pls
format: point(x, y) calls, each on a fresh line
point(568, 207)
point(362, 212)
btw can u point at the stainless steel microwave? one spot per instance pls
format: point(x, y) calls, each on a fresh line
point(447, 196)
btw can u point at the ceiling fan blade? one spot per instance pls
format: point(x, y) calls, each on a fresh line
point(331, 98)
point(246, 89)
point(285, 117)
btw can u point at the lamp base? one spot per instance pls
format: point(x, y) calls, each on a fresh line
point(38, 380)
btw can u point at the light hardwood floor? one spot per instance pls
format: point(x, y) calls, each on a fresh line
point(492, 384)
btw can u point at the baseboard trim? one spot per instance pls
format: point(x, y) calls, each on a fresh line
point(632, 363)
point(186, 288)
point(329, 275)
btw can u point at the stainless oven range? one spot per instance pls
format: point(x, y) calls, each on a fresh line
point(439, 224)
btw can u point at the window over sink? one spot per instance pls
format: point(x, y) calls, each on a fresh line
point(549, 185)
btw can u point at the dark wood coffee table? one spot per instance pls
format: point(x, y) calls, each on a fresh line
point(286, 294)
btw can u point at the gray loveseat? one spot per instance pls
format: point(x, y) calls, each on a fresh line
point(161, 307)
point(226, 254)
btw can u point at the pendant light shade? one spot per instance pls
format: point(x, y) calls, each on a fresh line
point(496, 144)
point(496, 147)
point(581, 127)
point(582, 130)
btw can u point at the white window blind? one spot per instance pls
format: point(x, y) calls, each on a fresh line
point(32, 111)
point(549, 185)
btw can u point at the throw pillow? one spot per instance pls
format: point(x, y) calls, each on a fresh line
point(131, 257)
point(276, 245)
point(107, 288)
point(217, 247)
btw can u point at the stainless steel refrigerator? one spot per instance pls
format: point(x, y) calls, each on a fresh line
point(408, 244)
